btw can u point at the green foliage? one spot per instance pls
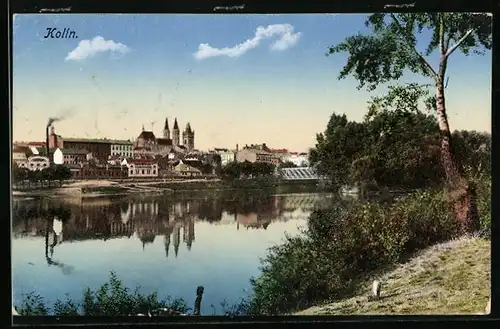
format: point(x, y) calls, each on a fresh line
point(236, 309)
point(236, 170)
point(287, 164)
point(113, 298)
point(337, 148)
point(473, 150)
point(52, 173)
point(395, 146)
point(18, 173)
point(33, 304)
point(343, 243)
point(390, 49)
point(484, 202)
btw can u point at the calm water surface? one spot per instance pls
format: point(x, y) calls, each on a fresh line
point(168, 245)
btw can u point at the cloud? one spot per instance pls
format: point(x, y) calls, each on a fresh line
point(286, 38)
point(89, 48)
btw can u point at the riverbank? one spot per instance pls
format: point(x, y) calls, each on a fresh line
point(449, 278)
point(97, 188)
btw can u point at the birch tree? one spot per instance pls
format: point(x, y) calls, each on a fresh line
point(391, 49)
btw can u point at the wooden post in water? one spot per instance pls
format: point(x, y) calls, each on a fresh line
point(197, 302)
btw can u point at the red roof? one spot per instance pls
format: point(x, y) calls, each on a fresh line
point(36, 143)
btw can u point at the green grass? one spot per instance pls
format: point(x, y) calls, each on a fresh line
point(449, 278)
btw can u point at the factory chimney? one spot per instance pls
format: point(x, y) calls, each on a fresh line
point(47, 140)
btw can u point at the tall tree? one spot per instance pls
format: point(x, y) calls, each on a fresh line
point(337, 147)
point(391, 49)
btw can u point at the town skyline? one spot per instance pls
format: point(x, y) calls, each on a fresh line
point(236, 79)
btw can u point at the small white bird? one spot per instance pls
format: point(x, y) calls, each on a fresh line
point(376, 289)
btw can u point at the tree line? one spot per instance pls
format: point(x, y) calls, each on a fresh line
point(383, 150)
point(54, 173)
point(247, 169)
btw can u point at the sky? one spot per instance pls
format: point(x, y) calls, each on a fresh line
point(237, 79)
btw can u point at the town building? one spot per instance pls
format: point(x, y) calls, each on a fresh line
point(97, 171)
point(298, 159)
point(38, 162)
point(58, 157)
point(20, 155)
point(226, 155)
point(280, 153)
point(122, 148)
point(147, 144)
point(74, 156)
point(260, 147)
point(186, 170)
point(55, 141)
point(99, 148)
point(142, 168)
point(256, 155)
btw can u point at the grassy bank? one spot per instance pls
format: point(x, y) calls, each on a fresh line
point(343, 244)
point(449, 278)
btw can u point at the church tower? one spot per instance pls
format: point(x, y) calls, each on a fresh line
point(166, 130)
point(188, 137)
point(176, 134)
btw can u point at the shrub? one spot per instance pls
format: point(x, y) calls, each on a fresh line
point(343, 243)
point(484, 202)
point(111, 299)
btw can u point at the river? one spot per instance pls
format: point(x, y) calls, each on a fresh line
point(168, 245)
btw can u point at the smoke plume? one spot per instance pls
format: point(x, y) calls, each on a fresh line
point(64, 115)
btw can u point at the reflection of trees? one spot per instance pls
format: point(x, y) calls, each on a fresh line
point(149, 217)
point(49, 248)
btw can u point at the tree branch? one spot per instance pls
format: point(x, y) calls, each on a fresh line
point(455, 46)
point(422, 59)
point(447, 43)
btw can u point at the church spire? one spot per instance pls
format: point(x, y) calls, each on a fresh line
point(176, 126)
point(166, 130)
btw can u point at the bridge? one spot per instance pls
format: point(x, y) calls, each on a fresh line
point(300, 173)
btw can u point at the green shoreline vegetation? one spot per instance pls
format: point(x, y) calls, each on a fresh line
point(397, 146)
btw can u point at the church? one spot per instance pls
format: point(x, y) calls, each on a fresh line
point(169, 144)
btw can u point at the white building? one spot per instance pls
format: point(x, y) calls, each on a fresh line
point(122, 148)
point(38, 162)
point(141, 168)
point(58, 156)
point(19, 156)
point(226, 155)
point(298, 159)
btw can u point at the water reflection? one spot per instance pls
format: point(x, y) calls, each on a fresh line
point(53, 236)
point(66, 221)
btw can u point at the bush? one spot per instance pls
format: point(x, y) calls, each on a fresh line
point(111, 299)
point(343, 243)
point(484, 202)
